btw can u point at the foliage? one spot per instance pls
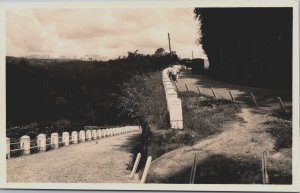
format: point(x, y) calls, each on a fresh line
point(248, 45)
point(144, 101)
point(48, 91)
point(143, 97)
point(207, 116)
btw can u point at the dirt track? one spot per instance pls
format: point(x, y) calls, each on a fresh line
point(90, 162)
point(240, 93)
point(233, 156)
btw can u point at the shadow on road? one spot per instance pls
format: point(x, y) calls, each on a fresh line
point(219, 169)
point(133, 145)
point(263, 93)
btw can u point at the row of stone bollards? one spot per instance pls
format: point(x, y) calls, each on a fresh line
point(173, 102)
point(41, 143)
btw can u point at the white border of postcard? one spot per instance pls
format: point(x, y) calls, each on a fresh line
point(295, 187)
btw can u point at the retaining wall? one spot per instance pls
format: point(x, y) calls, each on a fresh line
point(173, 102)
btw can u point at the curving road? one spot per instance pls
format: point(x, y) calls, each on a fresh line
point(105, 161)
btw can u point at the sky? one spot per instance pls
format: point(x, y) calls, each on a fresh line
point(107, 33)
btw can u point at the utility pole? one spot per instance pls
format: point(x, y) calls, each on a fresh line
point(169, 43)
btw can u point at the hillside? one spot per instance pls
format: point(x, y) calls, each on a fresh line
point(56, 95)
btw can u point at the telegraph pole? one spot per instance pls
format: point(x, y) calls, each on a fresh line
point(169, 43)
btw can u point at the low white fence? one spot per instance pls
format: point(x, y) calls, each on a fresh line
point(173, 102)
point(40, 144)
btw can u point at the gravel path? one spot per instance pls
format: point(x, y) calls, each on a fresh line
point(90, 162)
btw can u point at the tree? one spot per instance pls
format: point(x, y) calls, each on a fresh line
point(159, 52)
point(248, 45)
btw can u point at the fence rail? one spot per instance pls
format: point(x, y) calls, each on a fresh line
point(40, 144)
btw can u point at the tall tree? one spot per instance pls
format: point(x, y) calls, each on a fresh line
point(248, 45)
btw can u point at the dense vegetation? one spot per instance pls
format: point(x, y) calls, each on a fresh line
point(248, 45)
point(56, 95)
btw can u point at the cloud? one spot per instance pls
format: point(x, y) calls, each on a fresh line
point(106, 32)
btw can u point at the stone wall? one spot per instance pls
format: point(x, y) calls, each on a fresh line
point(173, 102)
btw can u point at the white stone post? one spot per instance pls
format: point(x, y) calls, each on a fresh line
point(7, 147)
point(94, 134)
point(99, 133)
point(88, 135)
point(25, 144)
point(82, 136)
point(54, 140)
point(135, 166)
point(146, 169)
point(41, 141)
point(74, 137)
point(66, 138)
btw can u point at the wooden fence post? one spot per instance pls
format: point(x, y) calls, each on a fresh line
point(253, 98)
point(135, 166)
point(187, 88)
point(264, 168)
point(232, 97)
point(281, 104)
point(146, 169)
point(213, 91)
point(199, 90)
point(193, 171)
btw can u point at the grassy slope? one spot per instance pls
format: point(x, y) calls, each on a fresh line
point(240, 133)
point(202, 118)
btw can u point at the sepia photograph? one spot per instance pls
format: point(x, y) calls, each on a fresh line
point(171, 96)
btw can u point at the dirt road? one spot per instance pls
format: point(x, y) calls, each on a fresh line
point(265, 97)
point(90, 162)
point(233, 156)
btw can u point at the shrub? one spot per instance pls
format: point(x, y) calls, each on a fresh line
point(143, 98)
